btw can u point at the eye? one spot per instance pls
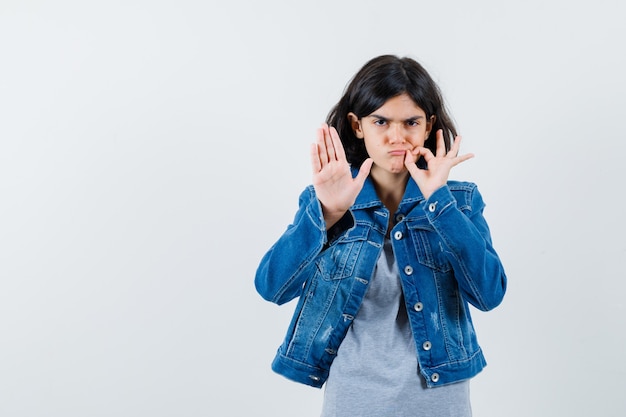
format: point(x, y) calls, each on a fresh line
point(412, 123)
point(380, 122)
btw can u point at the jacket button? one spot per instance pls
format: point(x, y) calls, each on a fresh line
point(399, 217)
point(432, 207)
point(427, 345)
point(408, 269)
point(397, 235)
point(434, 377)
point(418, 307)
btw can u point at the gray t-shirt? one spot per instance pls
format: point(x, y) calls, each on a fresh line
point(375, 373)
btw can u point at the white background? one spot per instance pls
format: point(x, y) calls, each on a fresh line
point(152, 151)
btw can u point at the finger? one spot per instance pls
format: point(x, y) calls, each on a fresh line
point(364, 171)
point(462, 158)
point(316, 165)
point(441, 144)
point(328, 141)
point(410, 163)
point(455, 148)
point(327, 151)
point(421, 151)
point(409, 158)
point(337, 145)
point(321, 145)
point(412, 156)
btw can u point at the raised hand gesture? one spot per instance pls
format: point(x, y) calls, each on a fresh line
point(332, 178)
point(439, 165)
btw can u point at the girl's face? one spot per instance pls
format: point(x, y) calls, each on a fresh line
point(397, 126)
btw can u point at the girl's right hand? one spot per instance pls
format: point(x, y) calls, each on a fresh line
point(332, 178)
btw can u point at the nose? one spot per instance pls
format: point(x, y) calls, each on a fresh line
point(396, 134)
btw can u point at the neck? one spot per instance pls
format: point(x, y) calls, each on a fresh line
point(390, 188)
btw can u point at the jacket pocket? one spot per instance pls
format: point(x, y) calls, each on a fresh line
point(429, 248)
point(339, 260)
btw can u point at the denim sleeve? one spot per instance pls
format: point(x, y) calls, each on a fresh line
point(284, 269)
point(477, 267)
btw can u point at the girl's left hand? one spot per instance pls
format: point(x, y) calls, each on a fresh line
point(439, 165)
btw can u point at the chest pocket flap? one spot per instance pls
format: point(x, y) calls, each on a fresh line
point(338, 261)
point(428, 246)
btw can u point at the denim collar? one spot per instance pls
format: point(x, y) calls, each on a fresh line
point(368, 198)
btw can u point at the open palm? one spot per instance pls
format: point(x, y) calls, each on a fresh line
point(332, 178)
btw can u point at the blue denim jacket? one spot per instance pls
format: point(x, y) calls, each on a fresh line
point(445, 257)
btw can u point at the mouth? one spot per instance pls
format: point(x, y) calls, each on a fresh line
point(397, 152)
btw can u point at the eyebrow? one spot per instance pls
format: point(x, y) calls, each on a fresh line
point(410, 119)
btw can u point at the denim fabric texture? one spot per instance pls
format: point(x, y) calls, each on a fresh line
point(446, 260)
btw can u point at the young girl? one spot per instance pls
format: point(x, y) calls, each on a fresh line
point(384, 255)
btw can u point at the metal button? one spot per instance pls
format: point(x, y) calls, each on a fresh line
point(418, 306)
point(434, 377)
point(408, 269)
point(432, 207)
point(397, 235)
point(427, 345)
point(399, 217)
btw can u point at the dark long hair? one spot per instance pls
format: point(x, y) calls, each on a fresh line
point(380, 79)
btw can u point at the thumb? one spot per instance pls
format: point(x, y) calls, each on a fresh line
point(364, 171)
point(410, 163)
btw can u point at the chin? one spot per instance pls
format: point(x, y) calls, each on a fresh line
point(397, 170)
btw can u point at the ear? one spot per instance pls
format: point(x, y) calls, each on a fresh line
point(355, 123)
point(429, 124)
